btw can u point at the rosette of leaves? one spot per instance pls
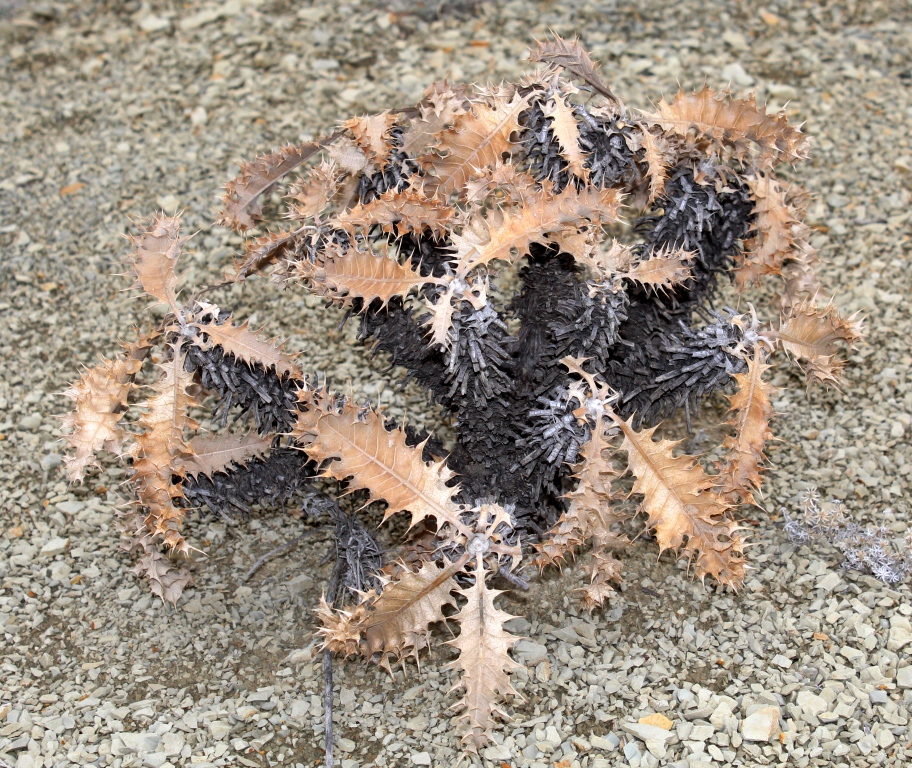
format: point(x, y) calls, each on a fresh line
point(407, 220)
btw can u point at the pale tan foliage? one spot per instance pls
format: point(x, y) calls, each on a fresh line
point(216, 453)
point(775, 229)
point(356, 447)
point(566, 131)
point(160, 450)
point(348, 155)
point(166, 580)
point(504, 181)
point(570, 55)
point(605, 572)
point(738, 124)
point(263, 251)
point(312, 195)
point(484, 658)
point(685, 513)
point(592, 513)
point(441, 105)
point(739, 474)
point(397, 620)
point(813, 335)
point(506, 235)
point(656, 156)
point(399, 213)
point(372, 134)
point(100, 397)
point(357, 274)
point(242, 211)
point(156, 252)
point(662, 270)
point(477, 139)
point(243, 343)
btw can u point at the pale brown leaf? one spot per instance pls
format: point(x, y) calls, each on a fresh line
point(166, 580)
point(775, 230)
point(156, 251)
point(243, 343)
point(397, 621)
point(216, 453)
point(348, 155)
point(662, 270)
point(355, 446)
point(313, 194)
point(441, 105)
point(263, 251)
point(682, 508)
point(399, 213)
point(569, 55)
point(160, 450)
point(242, 211)
point(739, 474)
point(361, 275)
point(478, 138)
point(603, 575)
point(814, 334)
point(592, 511)
point(372, 134)
point(735, 123)
point(99, 396)
point(655, 155)
point(484, 659)
point(566, 131)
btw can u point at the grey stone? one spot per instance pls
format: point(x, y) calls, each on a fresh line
point(55, 547)
point(762, 725)
point(530, 652)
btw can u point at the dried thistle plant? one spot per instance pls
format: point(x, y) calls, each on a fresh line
point(403, 219)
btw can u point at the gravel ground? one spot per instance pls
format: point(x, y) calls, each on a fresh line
point(110, 109)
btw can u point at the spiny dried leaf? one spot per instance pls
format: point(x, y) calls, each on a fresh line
point(100, 396)
point(348, 155)
point(242, 211)
point(506, 179)
point(211, 454)
point(682, 508)
point(154, 259)
point(662, 270)
point(484, 658)
point(736, 123)
point(605, 572)
point(569, 54)
point(312, 195)
point(166, 580)
point(159, 451)
point(656, 157)
point(399, 213)
point(566, 131)
point(739, 475)
point(441, 105)
point(262, 251)
point(358, 448)
point(813, 335)
point(514, 229)
point(244, 344)
point(801, 281)
point(372, 134)
point(775, 232)
point(341, 629)
point(397, 621)
point(592, 512)
point(362, 275)
point(478, 138)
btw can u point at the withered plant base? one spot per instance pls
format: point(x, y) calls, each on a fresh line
point(403, 219)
